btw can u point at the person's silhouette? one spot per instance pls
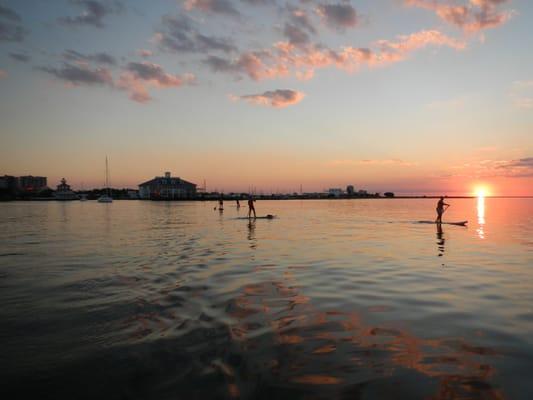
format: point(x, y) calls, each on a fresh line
point(440, 209)
point(251, 206)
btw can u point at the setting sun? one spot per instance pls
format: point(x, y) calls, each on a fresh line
point(481, 191)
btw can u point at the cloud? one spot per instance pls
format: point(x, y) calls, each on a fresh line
point(286, 58)
point(9, 14)
point(138, 78)
point(20, 57)
point(10, 30)
point(295, 34)
point(212, 6)
point(259, 2)
point(99, 58)
point(93, 12)
point(144, 53)
point(277, 98)
point(180, 34)
point(473, 16)
point(338, 16)
point(3, 74)
point(300, 18)
point(80, 74)
point(377, 162)
point(522, 94)
point(488, 168)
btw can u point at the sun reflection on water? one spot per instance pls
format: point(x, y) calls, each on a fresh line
point(481, 216)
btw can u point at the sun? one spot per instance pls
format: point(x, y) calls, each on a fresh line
point(481, 191)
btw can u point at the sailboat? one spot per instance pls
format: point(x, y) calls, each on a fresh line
point(106, 198)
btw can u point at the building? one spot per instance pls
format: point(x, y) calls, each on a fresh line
point(63, 192)
point(350, 190)
point(32, 184)
point(335, 192)
point(167, 188)
point(8, 187)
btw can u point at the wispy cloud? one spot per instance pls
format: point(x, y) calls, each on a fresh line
point(285, 58)
point(144, 53)
point(99, 58)
point(93, 12)
point(138, 78)
point(338, 16)
point(20, 57)
point(9, 14)
point(492, 168)
point(471, 16)
point(80, 74)
point(180, 34)
point(372, 162)
point(10, 28)
point(522, 94)
point(277, 98)
point(212, 6)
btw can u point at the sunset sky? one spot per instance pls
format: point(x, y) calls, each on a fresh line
point(412, 96)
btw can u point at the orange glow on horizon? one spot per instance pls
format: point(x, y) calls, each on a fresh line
point(482, 191)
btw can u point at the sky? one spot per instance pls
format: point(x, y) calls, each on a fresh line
point(409, 96)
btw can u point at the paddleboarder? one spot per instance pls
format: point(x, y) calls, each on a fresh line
point(440, 209)
point(251, 206)
point(221, 203)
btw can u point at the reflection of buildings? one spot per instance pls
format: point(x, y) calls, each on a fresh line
point(63, 192)
point(167, 188)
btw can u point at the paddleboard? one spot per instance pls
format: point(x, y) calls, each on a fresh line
point(460, 223)
point(269, 216)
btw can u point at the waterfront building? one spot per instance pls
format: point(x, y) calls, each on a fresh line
point(63, 192)
point(335, 192)
point(350, 190)
point(32, 184)
point(167, 188)
point(8, 187)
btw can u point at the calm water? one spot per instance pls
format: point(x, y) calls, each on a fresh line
point(334, 299)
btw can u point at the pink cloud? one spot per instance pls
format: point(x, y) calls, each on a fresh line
point(286, 59)
point(138, 78)
point(278, 98)
point(212, 6)
point(144, 53)
point(376, 162)
point(473, 16)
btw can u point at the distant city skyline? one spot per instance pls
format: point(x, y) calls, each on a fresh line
point(408, 96)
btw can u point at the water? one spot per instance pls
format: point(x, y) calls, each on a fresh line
point(333, 299)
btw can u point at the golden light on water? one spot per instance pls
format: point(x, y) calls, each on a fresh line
point(481, 216)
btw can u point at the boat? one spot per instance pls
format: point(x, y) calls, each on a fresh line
point(106, 198)
point(64, 193)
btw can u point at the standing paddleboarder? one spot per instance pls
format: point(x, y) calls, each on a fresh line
point(251, 206)
point(440, 209)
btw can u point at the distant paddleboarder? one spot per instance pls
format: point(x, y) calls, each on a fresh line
point(440, 209)
point(238, 204)
point(221, 203)
point(251, 206)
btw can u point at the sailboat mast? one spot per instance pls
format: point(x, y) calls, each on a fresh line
point(106, 176)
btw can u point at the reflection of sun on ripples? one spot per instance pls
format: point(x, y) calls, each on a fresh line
point(481, 216)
